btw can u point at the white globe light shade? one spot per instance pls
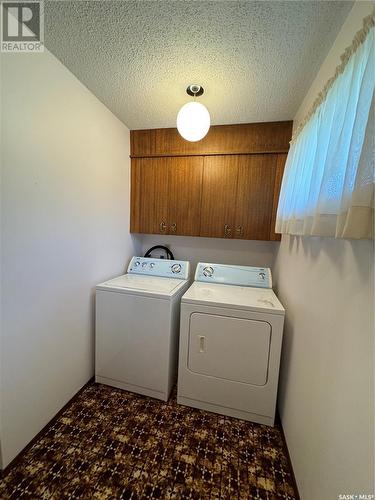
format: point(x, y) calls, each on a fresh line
point(193, 121)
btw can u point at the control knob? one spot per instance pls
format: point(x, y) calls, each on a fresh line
point(176, 268)
point(208, 271)
point(137, 263)
point(262, 276)
point(152, 265)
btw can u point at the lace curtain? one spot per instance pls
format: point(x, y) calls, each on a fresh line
point(328, 184)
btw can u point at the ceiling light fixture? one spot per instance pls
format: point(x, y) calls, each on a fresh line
point(193, 119)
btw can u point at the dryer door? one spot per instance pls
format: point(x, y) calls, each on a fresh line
point(230, 348)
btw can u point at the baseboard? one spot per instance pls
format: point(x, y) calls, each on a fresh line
point(16, 459)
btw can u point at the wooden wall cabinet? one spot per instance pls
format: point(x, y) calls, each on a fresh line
point(218, 196)
point(166, 195)
point(240, 196)
point(175, 190)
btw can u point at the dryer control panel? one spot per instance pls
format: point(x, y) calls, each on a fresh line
point(163, 268)
point(225, 274)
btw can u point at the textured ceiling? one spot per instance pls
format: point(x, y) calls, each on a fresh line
point(255, 60)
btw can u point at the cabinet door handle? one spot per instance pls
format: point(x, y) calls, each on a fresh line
point(239, 230)
point(227, 231)
point(163, 227)
point(173, 227)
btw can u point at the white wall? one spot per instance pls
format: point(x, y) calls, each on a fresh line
point(223, 251)
point(64, 225)
point(326, 397)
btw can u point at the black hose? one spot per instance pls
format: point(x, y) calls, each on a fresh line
point(166, 249)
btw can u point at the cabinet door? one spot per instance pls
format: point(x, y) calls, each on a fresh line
point(255, 193)
point(184, 196)
point(149, 196)
point(219, 196)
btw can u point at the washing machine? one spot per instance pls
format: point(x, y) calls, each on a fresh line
point(137, 326)
point(230, 342)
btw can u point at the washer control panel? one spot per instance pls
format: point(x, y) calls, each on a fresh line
point(259, 277)
point(159, 267)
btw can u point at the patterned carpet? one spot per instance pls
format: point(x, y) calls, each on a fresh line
point(112, 444)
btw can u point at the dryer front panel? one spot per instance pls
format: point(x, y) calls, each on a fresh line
point(230, 348)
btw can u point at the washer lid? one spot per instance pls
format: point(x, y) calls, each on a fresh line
point(235, 297)
point(145, 285)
